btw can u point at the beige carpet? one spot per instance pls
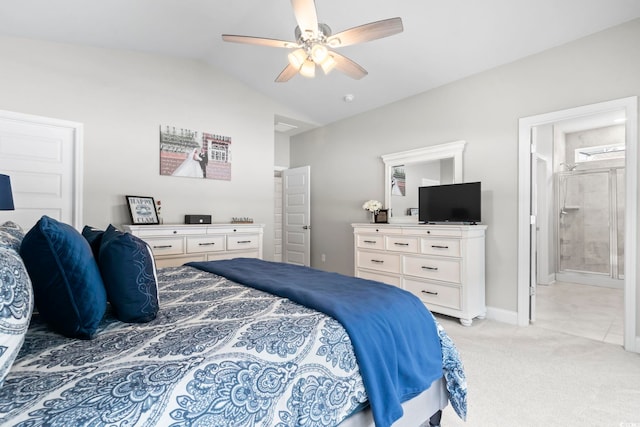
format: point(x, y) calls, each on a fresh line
point(533, 377)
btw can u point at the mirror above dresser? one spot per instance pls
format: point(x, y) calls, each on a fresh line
point(406, 171)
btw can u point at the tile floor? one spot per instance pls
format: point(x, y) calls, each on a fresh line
point(587, 311)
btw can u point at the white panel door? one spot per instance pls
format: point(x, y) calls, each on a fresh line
point(297, 216)
point(39, 154)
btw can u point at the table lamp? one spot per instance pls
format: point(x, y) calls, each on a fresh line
point(6, 197)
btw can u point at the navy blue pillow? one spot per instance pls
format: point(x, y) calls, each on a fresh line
point(94, 237)
point(67, 285)
point(129, 275)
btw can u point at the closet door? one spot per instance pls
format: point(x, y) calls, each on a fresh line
point(43, 158)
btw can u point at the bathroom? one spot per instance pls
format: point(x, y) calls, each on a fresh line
point(580, 180)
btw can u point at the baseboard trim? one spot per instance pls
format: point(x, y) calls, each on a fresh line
point(501, 315)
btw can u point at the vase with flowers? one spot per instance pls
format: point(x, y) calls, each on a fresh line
point(372, 206)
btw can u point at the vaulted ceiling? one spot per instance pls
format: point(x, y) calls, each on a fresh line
point(442, 41)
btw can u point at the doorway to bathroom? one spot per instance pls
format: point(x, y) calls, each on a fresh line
point(582, 282)
point(577, 221)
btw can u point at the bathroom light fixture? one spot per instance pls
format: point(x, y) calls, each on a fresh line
point(6, 197)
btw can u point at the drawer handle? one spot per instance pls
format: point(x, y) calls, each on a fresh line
point(162, 246)
point(244, 241)
point(424, 267)
point(430, 293)
point(377, 261)
point(206, 244)
point(370, 241)
point(401, 244)
point(440, 247)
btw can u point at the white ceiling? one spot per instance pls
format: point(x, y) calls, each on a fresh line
point(442, 40)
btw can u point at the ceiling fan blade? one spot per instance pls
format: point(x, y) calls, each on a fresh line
point(306, 16)
point(286, 74)
point(348, 67)
point(367, 32)
point(259, 41)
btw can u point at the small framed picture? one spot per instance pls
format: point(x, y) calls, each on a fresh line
point(382, 217)
point(412, 211)
point(142, 210)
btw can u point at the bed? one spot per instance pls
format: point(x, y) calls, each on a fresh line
point(221, 351)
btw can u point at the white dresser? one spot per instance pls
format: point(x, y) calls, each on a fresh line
point(441, 264)
point(175, 244)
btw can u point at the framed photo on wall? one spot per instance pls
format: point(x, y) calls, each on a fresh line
point(142, 210)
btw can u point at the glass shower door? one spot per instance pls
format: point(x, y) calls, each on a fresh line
point(584, 223)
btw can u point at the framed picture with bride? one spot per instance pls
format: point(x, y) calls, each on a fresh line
point(194, 154)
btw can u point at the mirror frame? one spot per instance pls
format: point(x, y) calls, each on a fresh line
point(449, 150)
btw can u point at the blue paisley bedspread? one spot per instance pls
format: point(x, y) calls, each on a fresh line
point(394, 337)
point(219, 354)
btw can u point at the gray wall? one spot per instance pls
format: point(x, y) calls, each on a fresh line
point(483, 110)
point(121, 98)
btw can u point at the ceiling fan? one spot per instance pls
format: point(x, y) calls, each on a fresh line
point(314, 43)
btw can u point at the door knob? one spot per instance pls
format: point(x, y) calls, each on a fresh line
point(306, 227)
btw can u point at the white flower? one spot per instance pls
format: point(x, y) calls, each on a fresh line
point(372, 205)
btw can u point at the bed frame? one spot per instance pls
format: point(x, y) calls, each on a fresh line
point(416, 411)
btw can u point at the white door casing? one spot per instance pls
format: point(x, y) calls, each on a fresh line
point(43, 157)
point(297, 216)
point(533, 235)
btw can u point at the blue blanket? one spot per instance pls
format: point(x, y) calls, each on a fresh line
point(394, 336)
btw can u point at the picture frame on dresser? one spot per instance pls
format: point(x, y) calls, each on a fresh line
point(142, 210)
point(381, 216)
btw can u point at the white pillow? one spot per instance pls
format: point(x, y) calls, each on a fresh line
point(11, 236)
point(16, 306)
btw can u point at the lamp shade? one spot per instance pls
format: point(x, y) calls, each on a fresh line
point(6, 197)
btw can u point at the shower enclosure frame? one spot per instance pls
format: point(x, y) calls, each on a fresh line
point(615, 276)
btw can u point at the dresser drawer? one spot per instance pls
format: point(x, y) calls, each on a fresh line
point(376, 230)
point(379, 261)
point(242, 241)
point(205, 244)
point(445, 247)
point(166, 246)
point(177, 261)
point(384, 278)
point(442, 231)
point(444, 269)
point(433, 293)
point(167, 231)
point(401, 244)
point(370, 241)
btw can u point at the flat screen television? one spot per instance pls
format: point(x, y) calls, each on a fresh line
point(450, 203)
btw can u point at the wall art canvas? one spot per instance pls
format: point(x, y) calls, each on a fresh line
point(194, 154)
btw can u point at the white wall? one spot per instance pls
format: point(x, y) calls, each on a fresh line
point(281, 149)
point(122, 97)
point(483, 110)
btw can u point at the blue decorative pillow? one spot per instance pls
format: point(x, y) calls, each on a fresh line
point(11, 236)
point(129, 274)
point(16, 306)
point(67, 285)
point(94, 237)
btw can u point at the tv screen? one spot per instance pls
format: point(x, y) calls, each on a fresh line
point(449, 203)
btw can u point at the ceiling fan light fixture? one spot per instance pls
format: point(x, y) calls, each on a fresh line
point(328, 64)
point(297, 58)
point(319, 53)
point(308, 69)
